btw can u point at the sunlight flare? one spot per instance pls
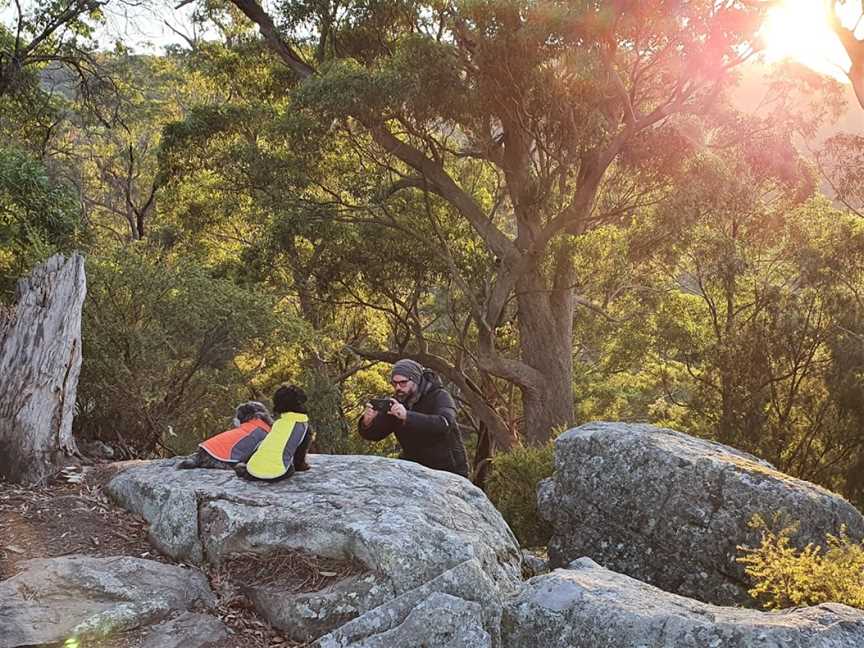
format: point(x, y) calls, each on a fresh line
point(799, 30)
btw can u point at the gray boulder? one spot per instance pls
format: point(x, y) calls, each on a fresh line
point(306, 615)
point(460, 609)
point(188, 630)
point(54, 599)
point(671, 510)
point(440, 621)
point(588, 606)
point(407, 524)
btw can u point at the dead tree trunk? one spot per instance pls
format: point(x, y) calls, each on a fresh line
point(40, 361)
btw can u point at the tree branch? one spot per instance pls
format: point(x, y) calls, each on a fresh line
point(854, 48)
point(252, 10)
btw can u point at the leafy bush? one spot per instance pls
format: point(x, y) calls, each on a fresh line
point(38, 217)
point(334, 434)
point(785, 576)
point(161, 342)
point(512, 488)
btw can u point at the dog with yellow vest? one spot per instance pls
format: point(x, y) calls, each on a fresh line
point(282, 452)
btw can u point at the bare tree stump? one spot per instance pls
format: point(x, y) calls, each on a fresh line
point(40, 361)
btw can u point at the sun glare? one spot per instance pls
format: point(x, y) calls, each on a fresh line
point(799, 30)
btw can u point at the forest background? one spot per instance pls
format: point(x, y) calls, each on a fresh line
point(572, 211)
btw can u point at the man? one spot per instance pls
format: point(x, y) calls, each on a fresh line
point(422, 416)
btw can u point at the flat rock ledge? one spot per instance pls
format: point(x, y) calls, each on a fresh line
point(407, 524)
point(56, 599)
point(670, 509)
point(188, 630)
point(304, 616)
point(460, 608)
point(588, 606)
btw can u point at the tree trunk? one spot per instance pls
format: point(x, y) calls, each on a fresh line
point(854, 48)
point(40, 361)
point(726, 426)
point(486, 440)
point(546, 344)
point(482, 457)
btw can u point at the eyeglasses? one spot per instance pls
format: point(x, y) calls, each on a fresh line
point(399, 383)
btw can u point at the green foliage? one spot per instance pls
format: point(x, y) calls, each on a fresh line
point(745, 323)
point(421, 77)
point(785, 576)
point(512, 488)
point(38, 216)
point(162, 340)
point(47, 54)
point(334, 433)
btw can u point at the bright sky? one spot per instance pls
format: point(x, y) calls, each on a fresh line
point(141, 25)
point(798, 29)
point(145, 28)
point(795, 29)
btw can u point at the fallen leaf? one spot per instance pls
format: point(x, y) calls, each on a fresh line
point(14, 549)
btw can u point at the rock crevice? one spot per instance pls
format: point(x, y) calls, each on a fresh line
point(407, 524)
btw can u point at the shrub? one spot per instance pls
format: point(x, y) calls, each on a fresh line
point(334, 433)
point(785, 576)
point(512, 488)
point(38, 217)
point(161, 340)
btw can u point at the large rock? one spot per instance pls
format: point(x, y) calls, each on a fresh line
point(54, 599)
point(306, 615)
point(440, 621)
point(670, 509)
point(407, 524)
point(188, 630)
point(588, 606)
point(459, 609)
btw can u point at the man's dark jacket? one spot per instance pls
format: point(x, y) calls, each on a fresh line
point(429, 435)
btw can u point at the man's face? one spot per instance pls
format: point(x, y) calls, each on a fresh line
point(403, 388)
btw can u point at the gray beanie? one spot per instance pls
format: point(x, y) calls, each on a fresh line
point(408, 368)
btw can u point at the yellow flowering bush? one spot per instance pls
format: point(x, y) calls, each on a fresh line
point(785, 576)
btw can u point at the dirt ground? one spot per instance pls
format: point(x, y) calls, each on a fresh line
point(75, 517)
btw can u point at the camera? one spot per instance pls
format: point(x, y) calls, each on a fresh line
point(381, 404)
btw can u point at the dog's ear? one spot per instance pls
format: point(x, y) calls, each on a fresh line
point(249, 410)
point(299, 395)
point(241, 413)
point(258, 407)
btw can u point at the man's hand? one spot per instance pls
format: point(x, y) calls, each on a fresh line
point(368, 414)
point(398, 410)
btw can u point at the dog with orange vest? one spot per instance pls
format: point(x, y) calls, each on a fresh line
point(252, 423)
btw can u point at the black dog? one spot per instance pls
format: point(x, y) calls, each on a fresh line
point(287, 399)
point(292, 399)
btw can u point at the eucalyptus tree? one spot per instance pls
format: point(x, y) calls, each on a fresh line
point(49, 46)
point(751, 331)
point(531, 122)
